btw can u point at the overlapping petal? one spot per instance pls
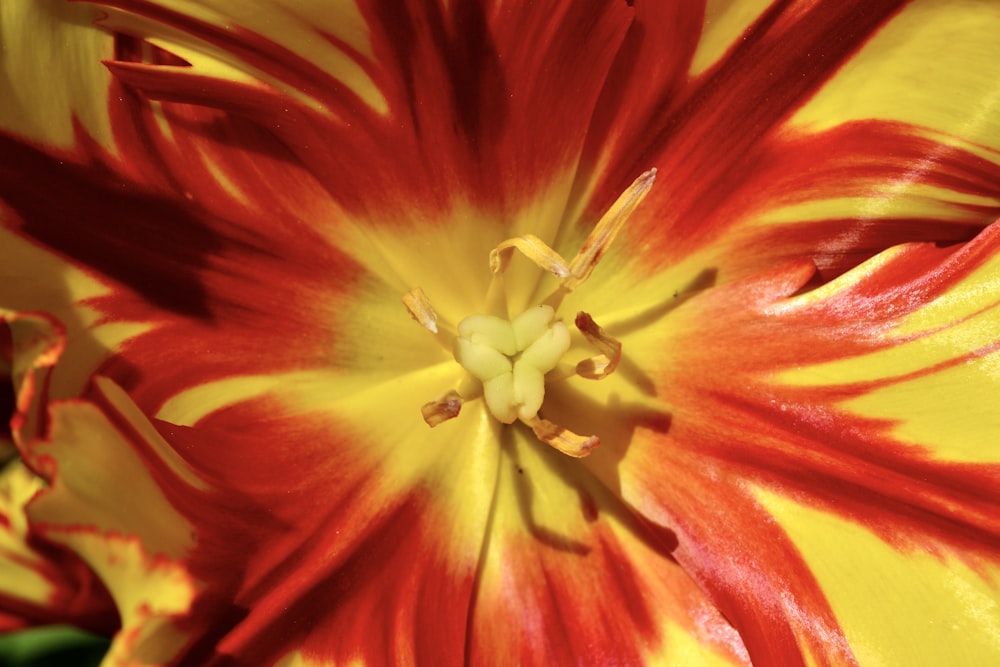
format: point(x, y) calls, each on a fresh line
point(802, 129)
point(238, 355)
point(850, 426)
point(345, 492)
point(569, 575)
point(84, 514)
point(41, 584)
point(99, 474)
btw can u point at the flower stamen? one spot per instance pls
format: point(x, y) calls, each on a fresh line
point(442, 408)
point(563, 439)
point(574, 273)
point(534, 249)
point(606, 229)
point(420, 309)
point(609, 348)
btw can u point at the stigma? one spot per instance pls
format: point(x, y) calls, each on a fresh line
point(511, 358)
point(508, 362)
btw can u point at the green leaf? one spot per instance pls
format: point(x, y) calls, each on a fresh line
point(53, 646)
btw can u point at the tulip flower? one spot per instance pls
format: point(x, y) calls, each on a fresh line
point(502, 333)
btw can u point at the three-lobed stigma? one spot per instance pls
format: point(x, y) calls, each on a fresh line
point(511, 358)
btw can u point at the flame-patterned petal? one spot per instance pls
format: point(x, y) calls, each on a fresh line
point(813, 433)
point(215, 390)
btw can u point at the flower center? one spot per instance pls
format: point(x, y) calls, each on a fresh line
point(506, 361)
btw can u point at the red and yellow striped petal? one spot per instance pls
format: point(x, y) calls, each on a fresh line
point(238, 219)
point(46, 302)
point(41, 584)
point(569, 575)
point(417, 103)
point(829, 130)
point(106, 470)
point(809, 433)
point(90, 491)
point(755, 164)
point(33, 343)
point(85, 516)
point(332, 509)
point(26, 587)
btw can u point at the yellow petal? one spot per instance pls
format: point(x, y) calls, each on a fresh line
point(22, 570)
point(932, 65)
point(151, 593)
point(51, 71)
point(920, 606)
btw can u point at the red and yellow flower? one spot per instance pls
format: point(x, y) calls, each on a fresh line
point(215, 219)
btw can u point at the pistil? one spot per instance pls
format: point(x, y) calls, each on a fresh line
point(511, 358)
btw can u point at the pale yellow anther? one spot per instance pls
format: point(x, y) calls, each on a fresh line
point(512, 358)
point(534, 249)
point(563, 439)
point(420, 309)
point(605, 363)
point(442, 408)
point(574, 273)
point(606, 229)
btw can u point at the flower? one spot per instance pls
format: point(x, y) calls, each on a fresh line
point(211, 242)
